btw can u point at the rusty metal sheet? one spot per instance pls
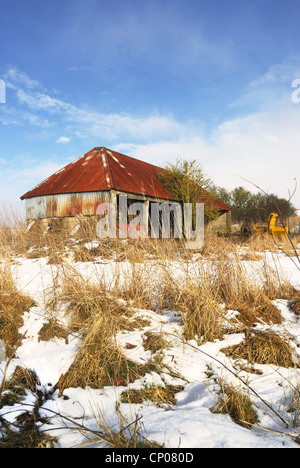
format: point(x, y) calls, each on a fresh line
point(65, 205)
point(134, 176)
point(100, 170)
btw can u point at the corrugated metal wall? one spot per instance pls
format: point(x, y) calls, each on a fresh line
point(64, 205)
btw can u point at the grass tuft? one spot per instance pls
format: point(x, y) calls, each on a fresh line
point(13, 304)
point(237, 404)
point(52, 329)
point(262, 347)
point(160, 396)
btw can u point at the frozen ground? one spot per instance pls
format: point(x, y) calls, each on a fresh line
point(190, 423)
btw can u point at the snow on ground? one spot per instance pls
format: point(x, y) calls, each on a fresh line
point(190, 423)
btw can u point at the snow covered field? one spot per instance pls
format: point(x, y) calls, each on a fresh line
point(190, 423)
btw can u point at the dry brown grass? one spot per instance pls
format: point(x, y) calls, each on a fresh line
point(136, 286)
point(12, 228)
point(237, 404)
point(53, 329)
point(84, 299)
point(17, 239)
point(204, 294)
point(51, 245)
point(27, 436)
point(263, 347)
point(98, 316)
point(160, 396)
point(23, 378)
point(295, 306)
point(261, 242)
point(154, 342)
point(217, 246)
point(251, 256)
point(14, 390)
point(82, 254)
point(202, 314)
point(128, 434)
point(100, 360)
point(275, 283)
point(24, 432)
point(243, 291)
point(13, 304)
point(87, 228)
point(135, 251)
point(140, 250)
point(294, 406)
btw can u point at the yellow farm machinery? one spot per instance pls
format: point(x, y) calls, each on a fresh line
point(278, 231)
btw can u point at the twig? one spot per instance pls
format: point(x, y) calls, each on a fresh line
point(5, 372)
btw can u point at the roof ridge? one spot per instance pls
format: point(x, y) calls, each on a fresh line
point(106, 172)
point(126, 156)
point(113, 185)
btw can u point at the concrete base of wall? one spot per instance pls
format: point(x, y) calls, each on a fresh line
point(221, 225)
point(54, 224)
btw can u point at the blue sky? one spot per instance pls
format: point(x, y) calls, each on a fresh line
point(207, 80)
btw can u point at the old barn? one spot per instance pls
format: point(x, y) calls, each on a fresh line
point(101, 175)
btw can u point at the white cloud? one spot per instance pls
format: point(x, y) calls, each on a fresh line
point(42, 101)
point(93, 123)
point(272, 87)
point(79, 69)
point(279, 73)
point(63, 140)
point(85, 121)
point(19, 118)
point(16, 78)
point(262, 148)
point(36, 172)
point(16, 181)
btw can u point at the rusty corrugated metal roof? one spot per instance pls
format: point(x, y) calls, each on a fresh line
point(102, 169)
